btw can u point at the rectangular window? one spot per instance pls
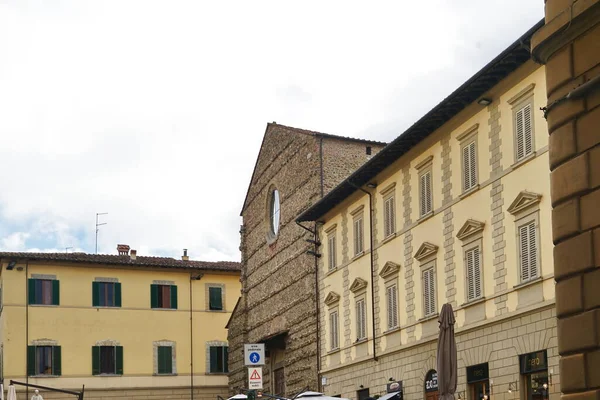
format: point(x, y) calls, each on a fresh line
point(218, 359)
point(163, 296)
point(392, 306)
point(524, 133)
point(165, 360)
point(215, 298)
point(473, 264)
point(44, 291)
point(333, 330)
point(429, 307)
point(43, 360)
point(358, 236)
point(528, 251)
point(469, 166)
point(389, 216)
point(361, 320)
point(107, 360)
point(331, 251)
point(106, 294)
point(425, 193)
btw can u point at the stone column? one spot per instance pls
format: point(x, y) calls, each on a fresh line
point(569, 45)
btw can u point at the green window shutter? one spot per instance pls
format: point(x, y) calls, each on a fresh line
point(95, 294)
point(154, 296)
point(213, 359)
point(31, 289)
point(165, 360)
point(215, 298)
point(95, 360)
point(225, 359)
point(174, 296)
point(118, 294)
point(56, 292)
point(30, 359)
point(119, 361)
point(161, 360)
point(56, 361)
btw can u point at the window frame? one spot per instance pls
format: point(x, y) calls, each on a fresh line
point(429, 267)
point(519, 102)
point(156, 357)
point(224, 360)
point(221, 288)
point(467, 248)
point(97, 359)
point(97, 293)
point(334, 336)
point(362, 299)
point(32, 291)
point(331, 249)
point(392, 314)
point(155, 293)
point(528, 220)
point(33, 358)
point(389, 214)
point(473, 173)
point(358, 233)
point(425, 168)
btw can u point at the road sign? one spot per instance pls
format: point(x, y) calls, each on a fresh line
point(255, 380)
point(254, 354)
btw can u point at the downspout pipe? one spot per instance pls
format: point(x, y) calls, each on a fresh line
point(26, 326)
point(191, 343)
point(372, 239)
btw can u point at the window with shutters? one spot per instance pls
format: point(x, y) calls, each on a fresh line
point(106, 294)
point(165, 360)
point(469, 166)
point(361, 319)
point(333, 330)
point(392, 306)
point(107, 360)
point(215, 301)
point(528, 251)
point(389, 215)
point(523, 132)
point(43, 360)
point(474, 273)
point(44, 292)
point(425, 193)
point(429, 291)
point(331, 251)
point(218, 359)
point(358, 233)
point(163, 296)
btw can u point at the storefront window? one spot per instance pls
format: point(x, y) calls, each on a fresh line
point(478, 381)
point(534, 369)
point(431, 385)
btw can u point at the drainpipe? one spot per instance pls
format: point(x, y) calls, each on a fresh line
point(191, 344)
point(371, 218)
point(26, 326)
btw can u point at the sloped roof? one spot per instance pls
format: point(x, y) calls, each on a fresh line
point(108, 259)
point(303, 132)
point(499, 68)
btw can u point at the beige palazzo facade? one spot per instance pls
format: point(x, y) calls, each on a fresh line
point(455, 210)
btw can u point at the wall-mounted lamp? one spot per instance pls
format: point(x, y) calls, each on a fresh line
point(11, 265)
point(361, 386)
point(484, 101)
point(550, 372)
point(512, 387)
point(371, 185)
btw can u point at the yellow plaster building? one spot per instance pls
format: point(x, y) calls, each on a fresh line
point(122, 325)
point(455, 210)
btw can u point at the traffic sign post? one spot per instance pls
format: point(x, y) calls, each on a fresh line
point(254, 354)
point(255, 380)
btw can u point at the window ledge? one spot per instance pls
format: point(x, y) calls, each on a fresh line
point(429, 317)
point(528, 283)
point(473, 302)
point(388, 238)
point(331, 271)
point(392, 330)
point(44, 305)
point(360, 341)
point(333, 351)
point(44, 376)
point(425, 217)
point(106, 307)
point(217, 373)
point(469, 192)
point(357, 256)
point(108, 375)
point(164, 309)
point(524, 160)
point(157, 374)
point(217, 311)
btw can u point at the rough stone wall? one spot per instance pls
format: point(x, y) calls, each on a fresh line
point(167, 393)
point(498, 344)
point(569, 45)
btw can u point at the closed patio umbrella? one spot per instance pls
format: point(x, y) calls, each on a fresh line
point(446, 354)
point(12, 393)
point(240, 396)
point(1, 391)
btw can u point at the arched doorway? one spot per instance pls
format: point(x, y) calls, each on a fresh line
point(431, 385)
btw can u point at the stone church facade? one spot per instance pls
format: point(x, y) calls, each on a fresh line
point(294, 169)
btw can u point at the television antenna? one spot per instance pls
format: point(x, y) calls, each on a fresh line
point(97, 225)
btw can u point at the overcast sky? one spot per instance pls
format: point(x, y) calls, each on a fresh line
point(154, 111)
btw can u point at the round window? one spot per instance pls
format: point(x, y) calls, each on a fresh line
point(274, 212)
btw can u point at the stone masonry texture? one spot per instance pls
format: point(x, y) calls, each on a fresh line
point(278, 279)
point(569, 45)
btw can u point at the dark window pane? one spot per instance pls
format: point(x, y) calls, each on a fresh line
point(107, 360)
point(164, 296)
point(43, 360)
point(110, 294)
point(46, 292)
point(215, 298)
point(165, 360)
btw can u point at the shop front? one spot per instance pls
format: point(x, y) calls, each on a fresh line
point(534, 375)
point(431, 385)
point(478, 382)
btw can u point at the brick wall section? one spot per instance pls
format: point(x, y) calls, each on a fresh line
point(575, 186)
point(448, 225)
point(408, 253)
point(498, 344)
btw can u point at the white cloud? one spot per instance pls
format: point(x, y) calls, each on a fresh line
point(153, 111)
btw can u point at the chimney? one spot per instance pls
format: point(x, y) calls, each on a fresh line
point(123, 249)
point(185, 257)
point(133, 254)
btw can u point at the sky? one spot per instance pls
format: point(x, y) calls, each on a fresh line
point(154, 111)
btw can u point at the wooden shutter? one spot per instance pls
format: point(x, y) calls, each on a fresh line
point(31, 360)
point(165, 360)
point(95, 294)
point(360, 319)
point(527, 132)
point(55, 292)
point(392, 306)
point(358, 236)
point(215, 298)
point(331, 252)
point(154, 296)
point(533, 261)
point(429, 291)
point(469, 167)
point(174, 297)
point(524, 244)
point(473, 164)
point(425, 189)
point(333, 327)
point(213, 359)
point(56, 361)
point(31, 291)
point(473, 261)
point(389, 217)
point(119, 360)
point(95, 360)
point(117, 294)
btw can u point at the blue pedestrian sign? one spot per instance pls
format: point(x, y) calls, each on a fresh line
point(254, 354)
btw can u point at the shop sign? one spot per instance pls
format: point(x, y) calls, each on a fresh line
point(478, 373)
point(394, 387)
point(431, 381)
point(532, 362)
